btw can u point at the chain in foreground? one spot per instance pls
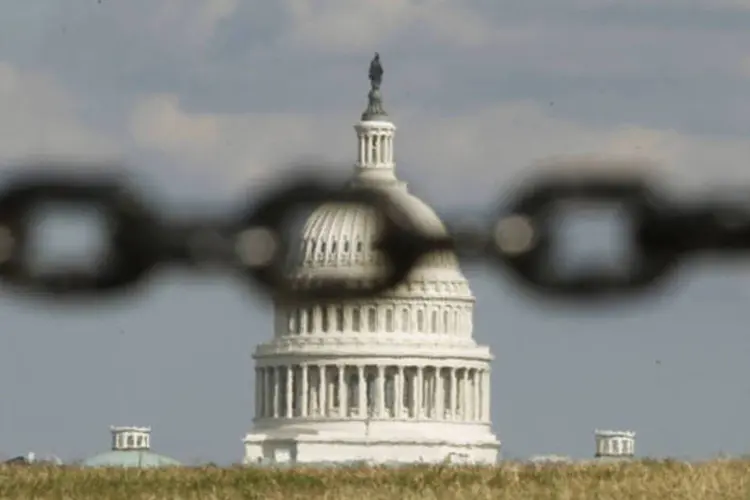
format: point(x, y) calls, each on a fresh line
point(521, 239)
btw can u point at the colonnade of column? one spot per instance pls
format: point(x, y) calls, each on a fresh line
point(376, 147)
point(615, 446)
point(372, 391)
point(453, 318)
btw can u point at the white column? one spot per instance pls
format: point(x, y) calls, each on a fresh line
point(477, 397)
point(453, 393)
point(474, 393)
point(343, 392)
point(461, 395)
point(296, 408)
point(472, 399)
point(276, 380)
point(426, 392)
point(257, 391)
point(439, 394)
point(362, 148)
point(289, 393)
point(330, 396)
point(432, 392)
point(420, 391)
point(487, 395)
point(414, 393)
point(399, 392)
point(304, 410)
point(268, 391)
point(381, 391)
point(322, 390)
point(480, 396)
point(381, 149)
point(467, 395)
point(362, 387)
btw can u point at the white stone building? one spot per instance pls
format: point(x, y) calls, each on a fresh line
point(614, 444)
point(394, 379)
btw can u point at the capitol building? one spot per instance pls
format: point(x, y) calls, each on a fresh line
point(398, 378)
point(387, 380)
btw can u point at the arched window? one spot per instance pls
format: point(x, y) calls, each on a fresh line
point(389, 320)
point(420, 321)
point(339, 319)
point(356, 320)
point(372, 319)
point(405, 326)
point(457, 323)
point(309, 326)
point(375, 147)
point(446, 321)
point(434, 321)
point(292, 322)
point(324, 319)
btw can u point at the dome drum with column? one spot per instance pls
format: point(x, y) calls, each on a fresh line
point(375, 152)
point(397, 377)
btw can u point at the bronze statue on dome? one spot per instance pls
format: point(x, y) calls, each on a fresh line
point(376, 72)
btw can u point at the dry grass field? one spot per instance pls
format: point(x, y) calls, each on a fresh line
point(719, 480)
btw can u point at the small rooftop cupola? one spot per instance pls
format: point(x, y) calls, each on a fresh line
point(614, 444)
point(130, 438)
point(375, 133)
point(131, 447)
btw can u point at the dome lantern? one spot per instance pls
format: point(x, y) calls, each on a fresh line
point(130, 438)
point(614, 444)
point(375, 134)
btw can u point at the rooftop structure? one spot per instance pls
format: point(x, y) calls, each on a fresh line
point(131, 447)
point(614, 444)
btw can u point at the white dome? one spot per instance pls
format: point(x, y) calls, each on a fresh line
point(339, 238)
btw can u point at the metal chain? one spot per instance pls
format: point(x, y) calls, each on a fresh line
point(254, 244)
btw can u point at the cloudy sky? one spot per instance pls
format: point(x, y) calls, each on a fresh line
point(207, 98)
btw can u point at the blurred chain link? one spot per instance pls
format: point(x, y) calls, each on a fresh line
point(255, 243)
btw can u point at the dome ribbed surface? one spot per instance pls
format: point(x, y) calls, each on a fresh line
point(341, 236)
